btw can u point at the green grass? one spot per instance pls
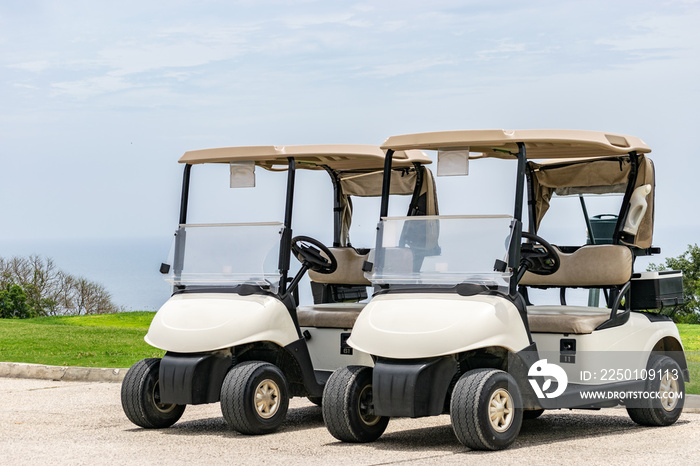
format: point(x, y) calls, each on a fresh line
point(690, 336)
point(109, 340)
point(116, 340)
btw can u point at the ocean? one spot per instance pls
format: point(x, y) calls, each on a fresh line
point(129, 267)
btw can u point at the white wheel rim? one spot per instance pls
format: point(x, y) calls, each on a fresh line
point(365, 408)
point(162, 407)
point(668, 392)
point(267, 396)
point(501, 410)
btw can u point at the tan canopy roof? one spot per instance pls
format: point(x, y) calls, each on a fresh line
point(369, 184)
point(337, 157)
point(594, 176)
point(539, 144)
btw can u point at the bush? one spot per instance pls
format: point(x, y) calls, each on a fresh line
point(13, 302)
point(34, 286)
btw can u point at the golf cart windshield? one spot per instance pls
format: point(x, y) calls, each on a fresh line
point(445, 250)
point(227, 254)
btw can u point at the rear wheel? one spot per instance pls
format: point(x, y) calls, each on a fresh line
point(664, 407)
point(254, 398)
point(141, 397)
point(486, 409)
point(348, 411)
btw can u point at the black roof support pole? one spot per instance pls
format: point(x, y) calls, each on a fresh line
point(624, 209)
point(531, 203)
point(514, 253)
point(337, 209)
point(520, 183)
point(416, 189)
point(386, 184)
point(185, 194)
point(180, 238)
point(384, 209)
point(589, 227)
point(286, 241)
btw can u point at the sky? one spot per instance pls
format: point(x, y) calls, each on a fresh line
point(98, 100)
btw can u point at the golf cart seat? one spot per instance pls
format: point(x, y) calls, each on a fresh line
point(335, 315)
point(566, 319)
point(598, 265)
point(349, 271)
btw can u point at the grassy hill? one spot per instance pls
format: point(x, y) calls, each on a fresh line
point(116, 340)
point(107, 340)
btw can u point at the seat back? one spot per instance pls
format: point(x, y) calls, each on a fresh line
point(599, 265)
point(349, 271)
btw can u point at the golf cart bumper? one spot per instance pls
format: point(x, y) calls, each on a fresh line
point(192, 378)
point(413, 388)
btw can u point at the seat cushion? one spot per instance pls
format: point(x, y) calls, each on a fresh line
point(565, 319)
point(336, 315)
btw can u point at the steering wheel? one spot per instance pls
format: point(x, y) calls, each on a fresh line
point(540, 259)
point(308, 251)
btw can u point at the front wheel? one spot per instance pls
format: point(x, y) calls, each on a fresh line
point(666, 394)
point(348, 411)
point(254, 398)
point(486, 409)
point(141, 397)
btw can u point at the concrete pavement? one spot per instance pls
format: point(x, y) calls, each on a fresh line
point(58, 422)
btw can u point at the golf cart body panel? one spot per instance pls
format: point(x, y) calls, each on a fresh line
point(425, 325)
point(329, 349)
point(624, 346)
point(191, 323)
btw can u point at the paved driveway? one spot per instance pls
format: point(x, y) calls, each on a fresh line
point(43, 421)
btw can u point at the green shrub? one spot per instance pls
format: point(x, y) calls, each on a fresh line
point(689, 263)
point(13, 303)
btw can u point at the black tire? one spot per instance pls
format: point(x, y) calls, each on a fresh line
point(470, 409)
point(657, 411)
point(532, 413)
point(141, 397)
point(347, 406)
point(317, 400)
point(254, 398)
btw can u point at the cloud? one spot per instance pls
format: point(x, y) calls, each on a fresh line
point(90, 87)
point(307, 21)
point(657, 35)
point(397, 69)
point(25, 86)
point(36, 66)
point(504, 49)
point(166, 55)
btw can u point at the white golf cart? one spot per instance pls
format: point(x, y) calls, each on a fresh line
point(450, 327)
point(232, 330)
